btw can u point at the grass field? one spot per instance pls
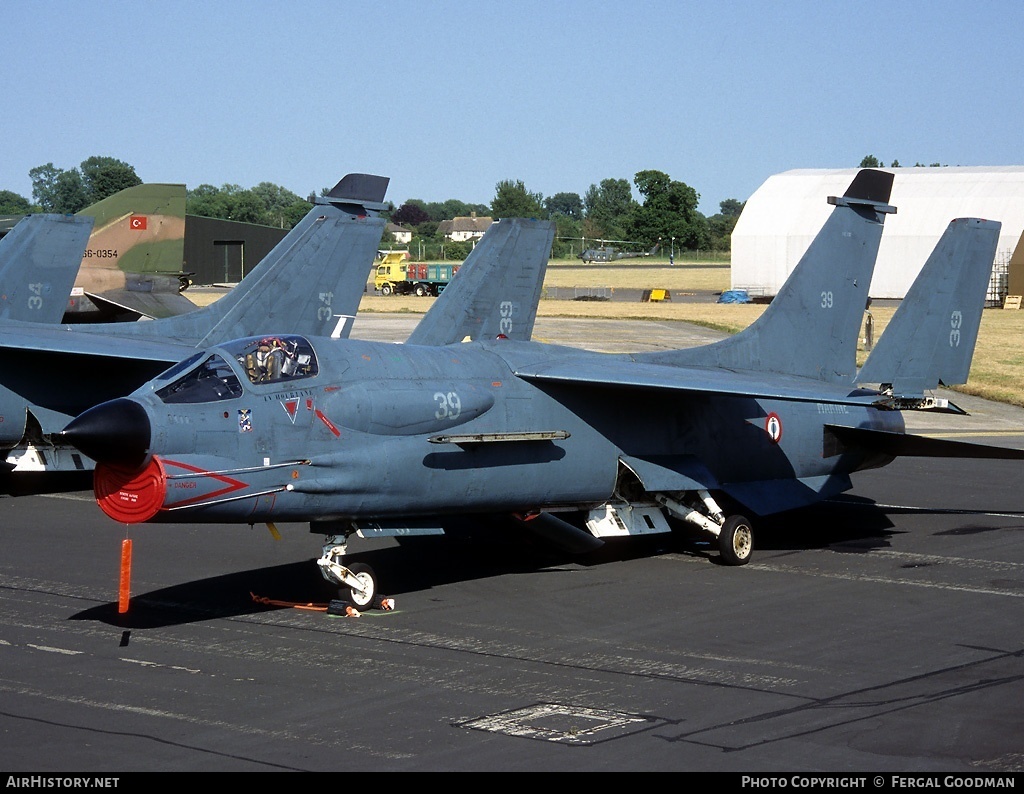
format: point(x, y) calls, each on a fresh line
point(997, 372)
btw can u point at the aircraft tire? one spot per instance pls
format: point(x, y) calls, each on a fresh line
point(364, 573)
point(736, 540)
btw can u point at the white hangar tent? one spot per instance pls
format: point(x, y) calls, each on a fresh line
point(779, 221)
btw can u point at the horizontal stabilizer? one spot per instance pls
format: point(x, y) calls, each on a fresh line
point(871, 186)
point(151, 305)
point(365, 189)
point(908, 445)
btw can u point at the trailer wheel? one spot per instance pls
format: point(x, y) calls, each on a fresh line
point(421, 290)
point(385, 289)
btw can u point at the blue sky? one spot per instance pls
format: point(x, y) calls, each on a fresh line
point(449, 98)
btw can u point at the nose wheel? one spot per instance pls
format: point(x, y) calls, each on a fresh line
point(358, 581)
point(364, 595)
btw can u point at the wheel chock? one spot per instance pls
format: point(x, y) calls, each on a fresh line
point(343, 608)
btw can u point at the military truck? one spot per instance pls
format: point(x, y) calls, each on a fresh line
point(412, 278)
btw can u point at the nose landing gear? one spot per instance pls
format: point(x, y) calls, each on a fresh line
point(358, 581)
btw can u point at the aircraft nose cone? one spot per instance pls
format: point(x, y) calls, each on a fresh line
point(116, 432)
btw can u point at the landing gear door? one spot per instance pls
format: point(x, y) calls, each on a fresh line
point(675, 473)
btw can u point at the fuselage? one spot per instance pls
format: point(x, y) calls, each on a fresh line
point(363, 430)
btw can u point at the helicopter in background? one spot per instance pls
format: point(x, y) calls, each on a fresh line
point(606, 253)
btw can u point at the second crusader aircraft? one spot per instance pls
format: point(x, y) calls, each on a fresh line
point(469, 418)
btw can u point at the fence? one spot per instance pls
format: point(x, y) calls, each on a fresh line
point(998, 284)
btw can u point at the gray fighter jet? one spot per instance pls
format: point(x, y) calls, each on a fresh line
point(471, 419)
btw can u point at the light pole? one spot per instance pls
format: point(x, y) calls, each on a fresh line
point(672, 255)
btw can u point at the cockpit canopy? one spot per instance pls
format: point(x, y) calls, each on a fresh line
point(263, 359)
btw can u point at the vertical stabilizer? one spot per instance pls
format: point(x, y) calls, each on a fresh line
point(930, 339)
point(496, 290)
point(812, 326)
point(39, 260)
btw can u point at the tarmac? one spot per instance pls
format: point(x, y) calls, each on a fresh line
point(876, 637)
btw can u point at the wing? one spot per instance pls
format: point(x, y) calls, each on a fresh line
point(596, 370)
point(67, 371)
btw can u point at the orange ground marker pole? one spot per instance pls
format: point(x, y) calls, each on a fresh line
point(126, 576)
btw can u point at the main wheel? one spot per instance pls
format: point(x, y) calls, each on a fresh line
point(364, 573)
point(385, 289)
point(736, 540)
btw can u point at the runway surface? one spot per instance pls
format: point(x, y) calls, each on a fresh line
point(879, 633)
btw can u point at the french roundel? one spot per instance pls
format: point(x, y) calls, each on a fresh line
point(773, 427)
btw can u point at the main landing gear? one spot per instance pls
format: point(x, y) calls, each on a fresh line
point(736, 540)
point(734, 533)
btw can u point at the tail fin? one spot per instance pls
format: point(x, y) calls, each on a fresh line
point(496, 290)
point(39, 259)
point(144, 227)
point(310, 283)
point(930, 339)
point(811, 327)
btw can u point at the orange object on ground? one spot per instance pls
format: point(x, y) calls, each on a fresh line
point(126, 576)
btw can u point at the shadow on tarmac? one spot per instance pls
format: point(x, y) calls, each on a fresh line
point(479, 550)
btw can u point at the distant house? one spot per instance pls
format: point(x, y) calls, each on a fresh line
point(461, 229)
point(399, 234)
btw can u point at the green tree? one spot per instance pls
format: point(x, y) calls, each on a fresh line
point(266, 204)
point(207, 201)
point(607, 207)
point(438, 211)
point(410, 214)
point(457, 249)
point(453, 208)
point(13, 204)
point(295, 213)
point(731, 208)
point(280, 205)
point(669, 210)
point(568, 236)
point(721, 225)
point(870, 162)
point(246, 207)
point(105, 176)
point(569, 205)
point(513, 200)
point(56, 190)
point(427, 230)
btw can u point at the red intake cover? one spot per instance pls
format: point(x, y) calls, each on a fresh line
point(131, 496)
